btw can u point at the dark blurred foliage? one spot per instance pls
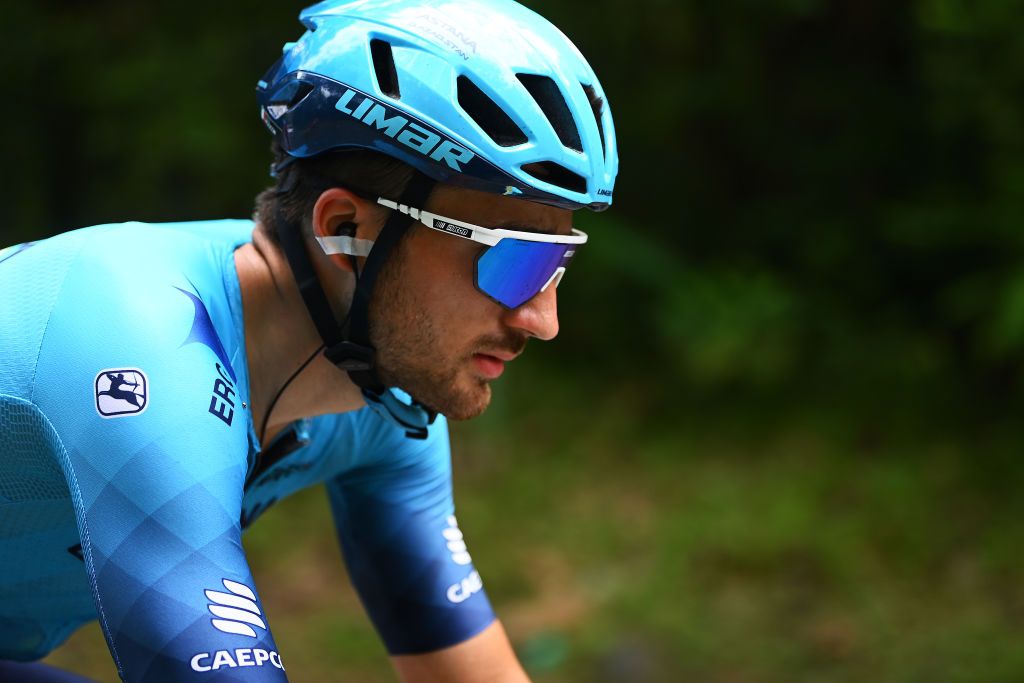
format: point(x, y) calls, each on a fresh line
point(830, 196)
point(817, 199)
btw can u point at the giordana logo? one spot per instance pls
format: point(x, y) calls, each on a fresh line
point(364, 108)
point(454, 229)
point(121, 391)
point(237, 611)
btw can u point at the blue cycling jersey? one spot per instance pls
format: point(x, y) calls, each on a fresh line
point(130, 466)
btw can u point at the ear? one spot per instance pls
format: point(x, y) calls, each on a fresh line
point(340, 212)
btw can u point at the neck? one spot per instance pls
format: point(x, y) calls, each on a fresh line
point(279, 338)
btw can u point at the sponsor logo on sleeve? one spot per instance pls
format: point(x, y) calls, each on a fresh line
point(121, 392)
point(243, 656)
point(464, 589)
point(236, 613)
point(456, 544)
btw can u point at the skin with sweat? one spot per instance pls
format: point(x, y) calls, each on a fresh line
point(436, 336)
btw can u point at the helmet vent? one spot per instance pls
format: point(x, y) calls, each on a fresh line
point(384, 68)
point(549, 99)
point(597, 104)
point(555, 174)
point(488, 115)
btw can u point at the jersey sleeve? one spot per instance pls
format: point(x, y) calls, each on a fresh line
point(138, 386)
point(403, 548)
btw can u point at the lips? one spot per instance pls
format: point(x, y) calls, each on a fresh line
point(500, 350)
point(505, 356)
point(489, 366)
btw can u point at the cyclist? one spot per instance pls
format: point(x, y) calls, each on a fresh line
point(428, 158)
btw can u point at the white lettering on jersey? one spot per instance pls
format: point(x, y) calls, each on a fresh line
point(455, 542)
point(464, 590)
point(246, 656)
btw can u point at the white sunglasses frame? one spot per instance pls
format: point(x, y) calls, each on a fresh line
point(351, 246)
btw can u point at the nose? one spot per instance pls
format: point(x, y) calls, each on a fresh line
point(538, 317)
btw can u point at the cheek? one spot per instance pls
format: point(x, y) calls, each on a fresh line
point(444, 279)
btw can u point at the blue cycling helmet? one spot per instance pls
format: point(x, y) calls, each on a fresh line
point(484, 94)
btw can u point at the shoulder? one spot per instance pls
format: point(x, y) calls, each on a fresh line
point(135, 290)
point(364, 442)
point(142, 331)
point(385, 442)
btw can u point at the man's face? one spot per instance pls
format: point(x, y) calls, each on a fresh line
point(437, 337)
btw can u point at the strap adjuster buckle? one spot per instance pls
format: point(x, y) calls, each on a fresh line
point(351, 357)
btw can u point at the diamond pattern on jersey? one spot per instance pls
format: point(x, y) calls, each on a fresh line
point(154, 554)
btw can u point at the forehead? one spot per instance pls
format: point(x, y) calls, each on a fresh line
point(494, 211)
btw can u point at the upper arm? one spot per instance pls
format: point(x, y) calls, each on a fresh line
point(404, 551)
point(156, 480)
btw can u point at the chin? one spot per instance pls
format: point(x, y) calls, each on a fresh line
point(467, 408)
point(464, 404)
point(456, 393)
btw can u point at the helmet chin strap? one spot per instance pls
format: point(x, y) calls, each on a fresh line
point(348, 346)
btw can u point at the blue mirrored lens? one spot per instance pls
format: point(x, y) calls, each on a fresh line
point(513, 271)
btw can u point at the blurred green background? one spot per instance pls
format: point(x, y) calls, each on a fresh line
point(778, 437)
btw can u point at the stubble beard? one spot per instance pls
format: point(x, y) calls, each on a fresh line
point(411, 355)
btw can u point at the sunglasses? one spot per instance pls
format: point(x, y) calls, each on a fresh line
point(515, 267)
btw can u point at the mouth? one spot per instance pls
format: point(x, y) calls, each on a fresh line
point(491, 365)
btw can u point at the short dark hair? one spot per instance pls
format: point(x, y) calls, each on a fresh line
point(368, 173)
